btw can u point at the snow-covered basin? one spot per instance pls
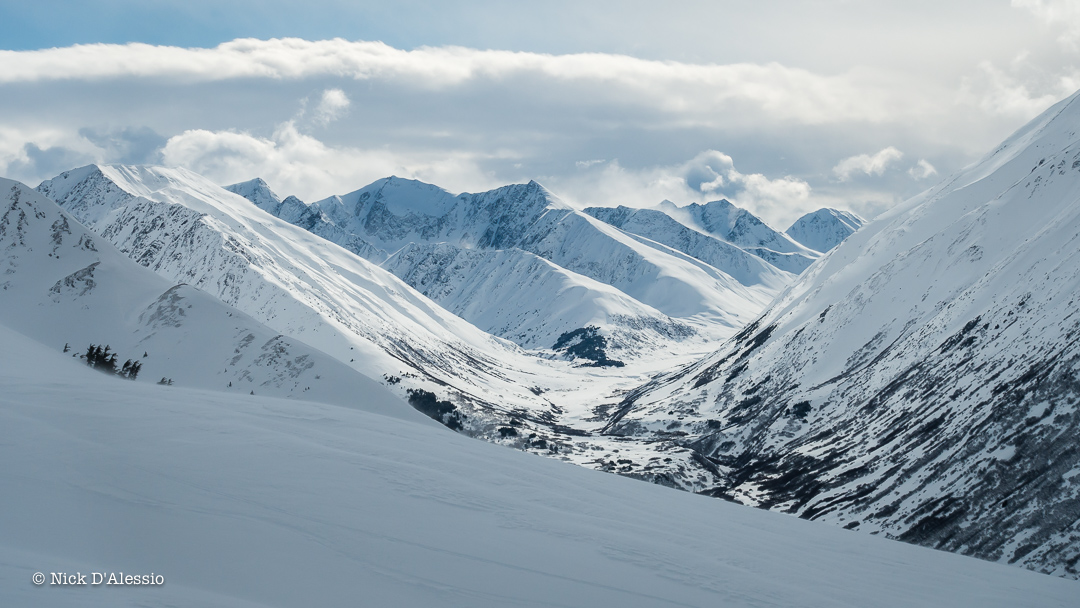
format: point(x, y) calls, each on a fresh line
point(252, 501)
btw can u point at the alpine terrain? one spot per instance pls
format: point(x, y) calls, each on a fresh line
point(921, 379)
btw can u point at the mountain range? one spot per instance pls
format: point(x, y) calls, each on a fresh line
point(913, 377)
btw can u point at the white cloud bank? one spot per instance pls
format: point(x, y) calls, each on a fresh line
point(874, 164)
point(685, 89)
point(1063, 13)
point(296, 163)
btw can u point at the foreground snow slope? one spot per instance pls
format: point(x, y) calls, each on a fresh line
point(252, 501)
point(921, 379)
point(64, 285)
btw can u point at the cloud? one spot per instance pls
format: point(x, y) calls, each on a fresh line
point(1004, 93)
point(709, 175)
point(297, 163)
point(692, 91)
point(1063, 13)
point(585, 164)
point(332, 106)
point(922, 169)
point(865, 163)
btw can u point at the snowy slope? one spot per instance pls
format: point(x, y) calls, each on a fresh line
point(64, 285)
point(738, 226)
point(189, 230)
point(823, 229)
point(245, 501)
point(538, 300)
point(921, 380)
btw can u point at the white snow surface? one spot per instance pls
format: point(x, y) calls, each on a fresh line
point(251, 502)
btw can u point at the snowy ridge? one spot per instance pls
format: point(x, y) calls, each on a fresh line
point(658, 226)
point(64, 285)
point(919, 381)
point(304, 504)
point(738, 226)
point(824, 229)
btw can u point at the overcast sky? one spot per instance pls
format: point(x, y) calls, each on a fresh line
point(780, 106)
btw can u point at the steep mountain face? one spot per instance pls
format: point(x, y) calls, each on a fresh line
point(64, 285)
point(738, 226)
point(538, 301)
point(921, 381)
point(295, 212)
point(824, 229)
point(190, 230)
point(673, 290)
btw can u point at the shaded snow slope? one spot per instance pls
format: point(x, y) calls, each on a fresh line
point(529, 300)
point(824, 229)
point(921, 380)
point(658, 226)
point(252, 502)
point(64, 285)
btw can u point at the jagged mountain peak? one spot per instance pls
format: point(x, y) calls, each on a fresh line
point(824, 229)
point(729, 222)
point(258, 192)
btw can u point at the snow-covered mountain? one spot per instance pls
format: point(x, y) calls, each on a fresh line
point(252, 502)
point(503, 231)
point(824, 229)
point(921, 380)
point(189, 230)
point(63, 285)
point(738, 226)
